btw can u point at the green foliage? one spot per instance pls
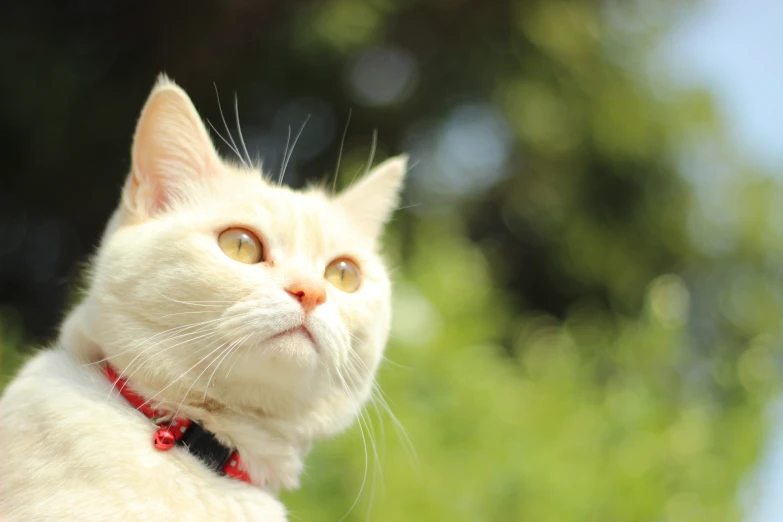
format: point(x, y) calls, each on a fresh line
point(10, 347)
point(590, 419)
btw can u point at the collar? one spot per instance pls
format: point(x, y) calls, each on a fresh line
point(180, 431)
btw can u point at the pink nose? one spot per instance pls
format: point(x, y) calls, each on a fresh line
point(308, 294)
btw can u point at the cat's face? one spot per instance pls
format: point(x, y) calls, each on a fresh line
point(218, 283)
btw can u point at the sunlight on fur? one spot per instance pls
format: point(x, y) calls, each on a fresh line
point(269, 337)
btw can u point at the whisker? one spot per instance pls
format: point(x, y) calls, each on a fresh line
point(381, 424)
point(379, 397)
point(373, 148)
point(233, 346)
point(399, 428)
point(364, 444)
point(398, 365)
point(135, 345)
point(378, 460)
point(185, 397)
point(235, 151)
point(188, 338)
point(371, 429)
point(340, 153)
point(220, 108)
point(285, 155)
point(172, 383)
point(175, 314)
point(376, 470)
point(293, 146)
point(192, 303)
point(215, 360)
point(144, 362)
point(239, 129)
point(238, 353)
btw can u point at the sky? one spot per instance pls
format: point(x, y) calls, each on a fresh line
point(734, 48)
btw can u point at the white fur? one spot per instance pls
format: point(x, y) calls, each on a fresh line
point(190, 327)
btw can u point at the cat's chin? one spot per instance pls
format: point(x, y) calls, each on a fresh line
point(288, 362)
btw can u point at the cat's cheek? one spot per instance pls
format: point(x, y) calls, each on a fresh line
point(362, 313)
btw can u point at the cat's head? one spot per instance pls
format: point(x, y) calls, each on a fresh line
point(212, 281)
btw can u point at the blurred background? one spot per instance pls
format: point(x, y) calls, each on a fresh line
point(588, 262)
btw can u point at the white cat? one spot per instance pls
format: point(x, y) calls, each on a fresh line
point(254, 312)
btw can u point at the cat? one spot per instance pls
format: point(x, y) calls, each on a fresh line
point(252, 313)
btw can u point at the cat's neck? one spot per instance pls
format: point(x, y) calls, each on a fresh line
point(271, 448)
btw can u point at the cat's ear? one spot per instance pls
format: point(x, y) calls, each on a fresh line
point(171, 151)
point(371, 201)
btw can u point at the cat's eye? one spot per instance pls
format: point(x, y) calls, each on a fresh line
point(241, 245)
point(344, 275)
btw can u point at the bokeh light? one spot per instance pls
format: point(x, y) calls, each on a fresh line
point(382, 76)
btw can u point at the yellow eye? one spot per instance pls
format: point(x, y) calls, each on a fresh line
point(241, 245)
point(344, 275)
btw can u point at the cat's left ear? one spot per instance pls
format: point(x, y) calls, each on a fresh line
point(371, 200)
point(171, 151)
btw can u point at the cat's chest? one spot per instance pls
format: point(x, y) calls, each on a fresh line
point(67, 447)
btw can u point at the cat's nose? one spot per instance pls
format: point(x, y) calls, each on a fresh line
point(309, 295)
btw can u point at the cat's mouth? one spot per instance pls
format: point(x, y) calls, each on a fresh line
point(301, 329)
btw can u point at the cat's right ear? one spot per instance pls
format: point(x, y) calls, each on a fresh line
point(171, 151)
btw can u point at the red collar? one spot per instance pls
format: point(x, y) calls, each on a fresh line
point(182, 431)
